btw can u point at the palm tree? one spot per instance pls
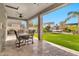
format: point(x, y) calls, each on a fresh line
point(74, 14)
point(63, 23)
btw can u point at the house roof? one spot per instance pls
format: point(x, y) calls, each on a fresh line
point(49, 23)
point(72, 24)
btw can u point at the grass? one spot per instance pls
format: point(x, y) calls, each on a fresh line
point(66, 40)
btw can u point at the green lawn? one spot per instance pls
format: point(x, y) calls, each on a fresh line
point(67, 40)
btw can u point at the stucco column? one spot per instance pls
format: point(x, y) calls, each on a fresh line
point(40, 25)
point(29, 23)
point(3, 20)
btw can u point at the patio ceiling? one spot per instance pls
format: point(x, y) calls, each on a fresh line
point(28, 10)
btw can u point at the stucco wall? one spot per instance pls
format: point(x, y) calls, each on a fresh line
point(2, 26)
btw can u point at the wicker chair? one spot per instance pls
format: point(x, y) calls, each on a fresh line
point(19, 38)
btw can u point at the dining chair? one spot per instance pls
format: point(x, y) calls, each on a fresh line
point(19, 38)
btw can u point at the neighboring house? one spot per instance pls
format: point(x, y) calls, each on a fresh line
point(72, 26)
point(49, 23)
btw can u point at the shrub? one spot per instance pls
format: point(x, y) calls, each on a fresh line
point(67, 30)
point(48, 28)
point(44, 30)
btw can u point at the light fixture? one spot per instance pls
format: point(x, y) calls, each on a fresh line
point(16, 8)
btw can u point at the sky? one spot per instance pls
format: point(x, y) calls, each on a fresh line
point(60, 14)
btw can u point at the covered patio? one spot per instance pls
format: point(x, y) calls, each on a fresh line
point(39, 48)
point(27, 12)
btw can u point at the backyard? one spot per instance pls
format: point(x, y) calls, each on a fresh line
point(66, 22)
point(66, 40)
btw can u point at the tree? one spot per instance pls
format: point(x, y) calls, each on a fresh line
point(48, 28)
point(74, 14)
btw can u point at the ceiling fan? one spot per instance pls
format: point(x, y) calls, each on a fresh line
point(20, 15)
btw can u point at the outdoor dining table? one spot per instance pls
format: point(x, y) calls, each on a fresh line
point(24, 35)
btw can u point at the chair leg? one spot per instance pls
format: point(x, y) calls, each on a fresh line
point(32, 40)
point(18, 44)
point(24, 41)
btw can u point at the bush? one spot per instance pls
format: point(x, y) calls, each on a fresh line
point(67, 30)
point(48, 28)
point(44, 30)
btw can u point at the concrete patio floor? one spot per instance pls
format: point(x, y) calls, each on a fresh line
point(39, 48)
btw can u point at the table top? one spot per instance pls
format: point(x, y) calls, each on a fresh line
point(22, 34)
